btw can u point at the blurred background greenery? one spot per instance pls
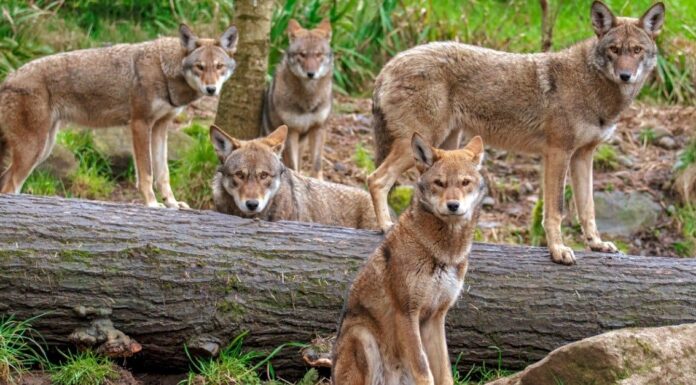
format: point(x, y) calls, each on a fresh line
point(366, 33)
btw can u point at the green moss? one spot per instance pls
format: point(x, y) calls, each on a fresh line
point(400, 198)
point(231, 309)
point(72, 255)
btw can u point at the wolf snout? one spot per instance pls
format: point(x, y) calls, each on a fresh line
point(310, 75)
point(252, 204)
point(453, 206)
point(211, 90)
point(625, 76)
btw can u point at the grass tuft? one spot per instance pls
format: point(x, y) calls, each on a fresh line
point(191, 176)
point(19, 350)
point(606, 158)
point(85, 368)
point(42, 182)
point(686, 220)
point(363, 158)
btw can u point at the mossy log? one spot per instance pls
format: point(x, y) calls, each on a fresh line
point(167, 277)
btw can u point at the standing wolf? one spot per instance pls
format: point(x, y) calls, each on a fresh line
point(300, 94)
point(393, 326)
point(560, 105)
point(142, 85)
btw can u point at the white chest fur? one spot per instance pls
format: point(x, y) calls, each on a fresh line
point(304, 121)
point(607, 132)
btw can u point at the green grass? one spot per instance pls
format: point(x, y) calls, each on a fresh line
point(19, 350)
point(646, 136)
point(537, 235)
point(400, 198)
point(606, 157)
point(363, 158)
point(191, 176)
point(42, 182)
point(93, 178)
point(85, 368)
point(686, 219)
point(479, 374)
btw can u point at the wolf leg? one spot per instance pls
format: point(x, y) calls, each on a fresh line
point(581, 178)
point(27, 141)
point(435, 345)
point(316, 148)
point(555, 169)
point(291, 155)
point(408, 339)
point(383, 178)
point(357, 360)
point(142, 131)
point(159, 162)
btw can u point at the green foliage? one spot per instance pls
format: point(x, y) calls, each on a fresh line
point(646, 135)
point(19, 350)
point(606, 158)
point(192, 174)
point(93, 178)
point(687, 156)
point(400, 198)
point(537, 234)
point(17, 43)
point(41, 182)
point(363, 158)
point(686, 219)
point(82, 369)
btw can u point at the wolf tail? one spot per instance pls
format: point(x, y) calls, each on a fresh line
point(383, 140)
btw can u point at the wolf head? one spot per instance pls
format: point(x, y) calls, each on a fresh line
point(626, 51)
point(208, 62)
point(250, 170)
point(450, 185)
point(309, 55)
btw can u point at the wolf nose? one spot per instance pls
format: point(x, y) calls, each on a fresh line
point(252, 204)
point(310, 75)
point(625, 77)
point(453, 206)
point(211, 90)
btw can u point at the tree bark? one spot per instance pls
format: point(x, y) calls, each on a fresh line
point(166, 277)
point(241, 100)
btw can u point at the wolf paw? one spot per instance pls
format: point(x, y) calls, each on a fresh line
point(176, 205)
point(155, 205)
point(604, 247)
point(387, 226)
point(562, 254)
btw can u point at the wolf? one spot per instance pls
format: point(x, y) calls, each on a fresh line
point(560, 105)
point(300, 94)
point(141, 85)
point(253, 182)
point(392, 330)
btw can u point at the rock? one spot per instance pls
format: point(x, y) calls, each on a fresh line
point(488, 201)
point(60, 163)
point(526, 188)
point(626, 161)
point(622, 214)
point(340, 167)
point(667, 142)
point(648, 356)
point(116, 144)
point(660, 132)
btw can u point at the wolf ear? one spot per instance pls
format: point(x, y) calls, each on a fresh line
point(602, 18)
point(276, 139)
point(293, 28)
point(475, 147)
point(229, 38)
point(422, 151)
point(325, 28)
point(223, 143)
point(653, 19)
point(188, 38)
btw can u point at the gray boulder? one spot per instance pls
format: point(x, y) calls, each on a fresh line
point(623, 214)
point(60, 163)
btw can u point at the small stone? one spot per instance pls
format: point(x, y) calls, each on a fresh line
point(527, 188)
point(667, 142)
point(340, 167)
point(626, 161)
point(488, 201)
point(660, 132)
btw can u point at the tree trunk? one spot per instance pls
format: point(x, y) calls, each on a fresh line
point(166, 277)
point(239, 110)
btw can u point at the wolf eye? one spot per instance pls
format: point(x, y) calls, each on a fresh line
point(200, 67)
point(439, 183)
point(466, 182)
point(303, 55)
point(220, 66)
point(637, 50)
point(239, 174)
point(263, 175)
point(614, 50)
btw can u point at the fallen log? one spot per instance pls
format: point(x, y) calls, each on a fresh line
point(165, 278)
